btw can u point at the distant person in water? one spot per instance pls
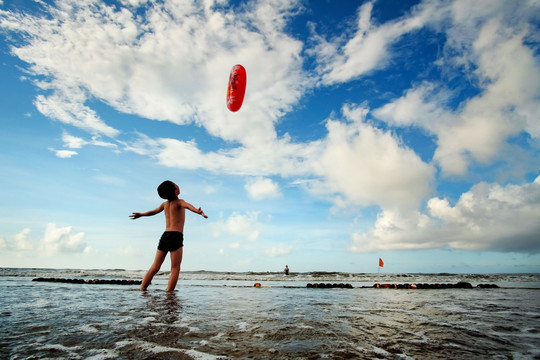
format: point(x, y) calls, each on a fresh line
point(172, 239)
point(286, 270)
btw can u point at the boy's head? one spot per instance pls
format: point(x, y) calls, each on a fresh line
point(167, 190)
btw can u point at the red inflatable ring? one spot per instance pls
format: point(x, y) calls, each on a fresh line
point(236, 88)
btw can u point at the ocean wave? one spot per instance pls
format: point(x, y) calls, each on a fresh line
point(524, 280)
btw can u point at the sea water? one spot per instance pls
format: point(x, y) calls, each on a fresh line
point(214, 315)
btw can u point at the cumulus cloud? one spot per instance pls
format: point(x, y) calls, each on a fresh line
point(172, 64)
point(243, 225)
point(63, 240)
point(487, 217)
point(21, 241)
point(55, 240)
point(508, 78)
point(64, 154)
point(367, 166)
point(281, 157)
point(421, 106)
point(262, 188)
point(343, 59)
point(279, 250)
point(74, 142)
point(171, 67)
point(70, 109)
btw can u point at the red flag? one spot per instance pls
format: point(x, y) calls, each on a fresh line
point(381, 263)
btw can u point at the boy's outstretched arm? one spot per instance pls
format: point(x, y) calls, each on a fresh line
point(137, 215)
point(192, 208)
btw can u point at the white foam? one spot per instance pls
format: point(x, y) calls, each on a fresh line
point(103, 354)
point(62, 348)
point(379, 351)
point(88, 329)
point(218, 336)
point(158, 349)
point(197, 355)
point(242, 326)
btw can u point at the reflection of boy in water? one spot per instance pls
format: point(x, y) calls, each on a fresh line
point(173, 238)
point(286, 271)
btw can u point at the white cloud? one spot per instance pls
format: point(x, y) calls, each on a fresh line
point(281, 157)
point(492, 217)
point(237, 225)
point(279, 250)
point(63, 240)
point(21, 241)
point(70, 109)
point(343, 59)
point(368, 166)
point(126, 250)
point(172, 64)
point(262, 188)
point(64, 154)
point(74, 142)
point(55, 240)
point(508, 77)
point(422, 106)
point(487, 217)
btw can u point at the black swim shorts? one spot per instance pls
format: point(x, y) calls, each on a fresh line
point(171, 240)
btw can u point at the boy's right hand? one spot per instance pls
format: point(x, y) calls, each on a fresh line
point(135, 215)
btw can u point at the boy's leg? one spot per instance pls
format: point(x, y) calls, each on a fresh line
point(160, 256)
point(176, 260)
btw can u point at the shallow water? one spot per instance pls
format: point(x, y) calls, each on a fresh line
point(219, 317)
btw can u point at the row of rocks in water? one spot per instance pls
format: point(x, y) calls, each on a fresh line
point(459, 285)
point(329, 286)
point(89, 281)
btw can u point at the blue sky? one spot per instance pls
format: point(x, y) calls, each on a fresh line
point(406, 130)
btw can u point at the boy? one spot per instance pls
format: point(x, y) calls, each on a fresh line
point(173, 238)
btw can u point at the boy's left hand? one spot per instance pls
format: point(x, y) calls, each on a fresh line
point(202, 213)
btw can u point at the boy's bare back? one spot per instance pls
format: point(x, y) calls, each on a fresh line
point(175, 215)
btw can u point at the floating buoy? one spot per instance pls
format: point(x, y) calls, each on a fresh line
point(257, 285)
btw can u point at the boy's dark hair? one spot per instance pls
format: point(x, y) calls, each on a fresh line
point(166, 190)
